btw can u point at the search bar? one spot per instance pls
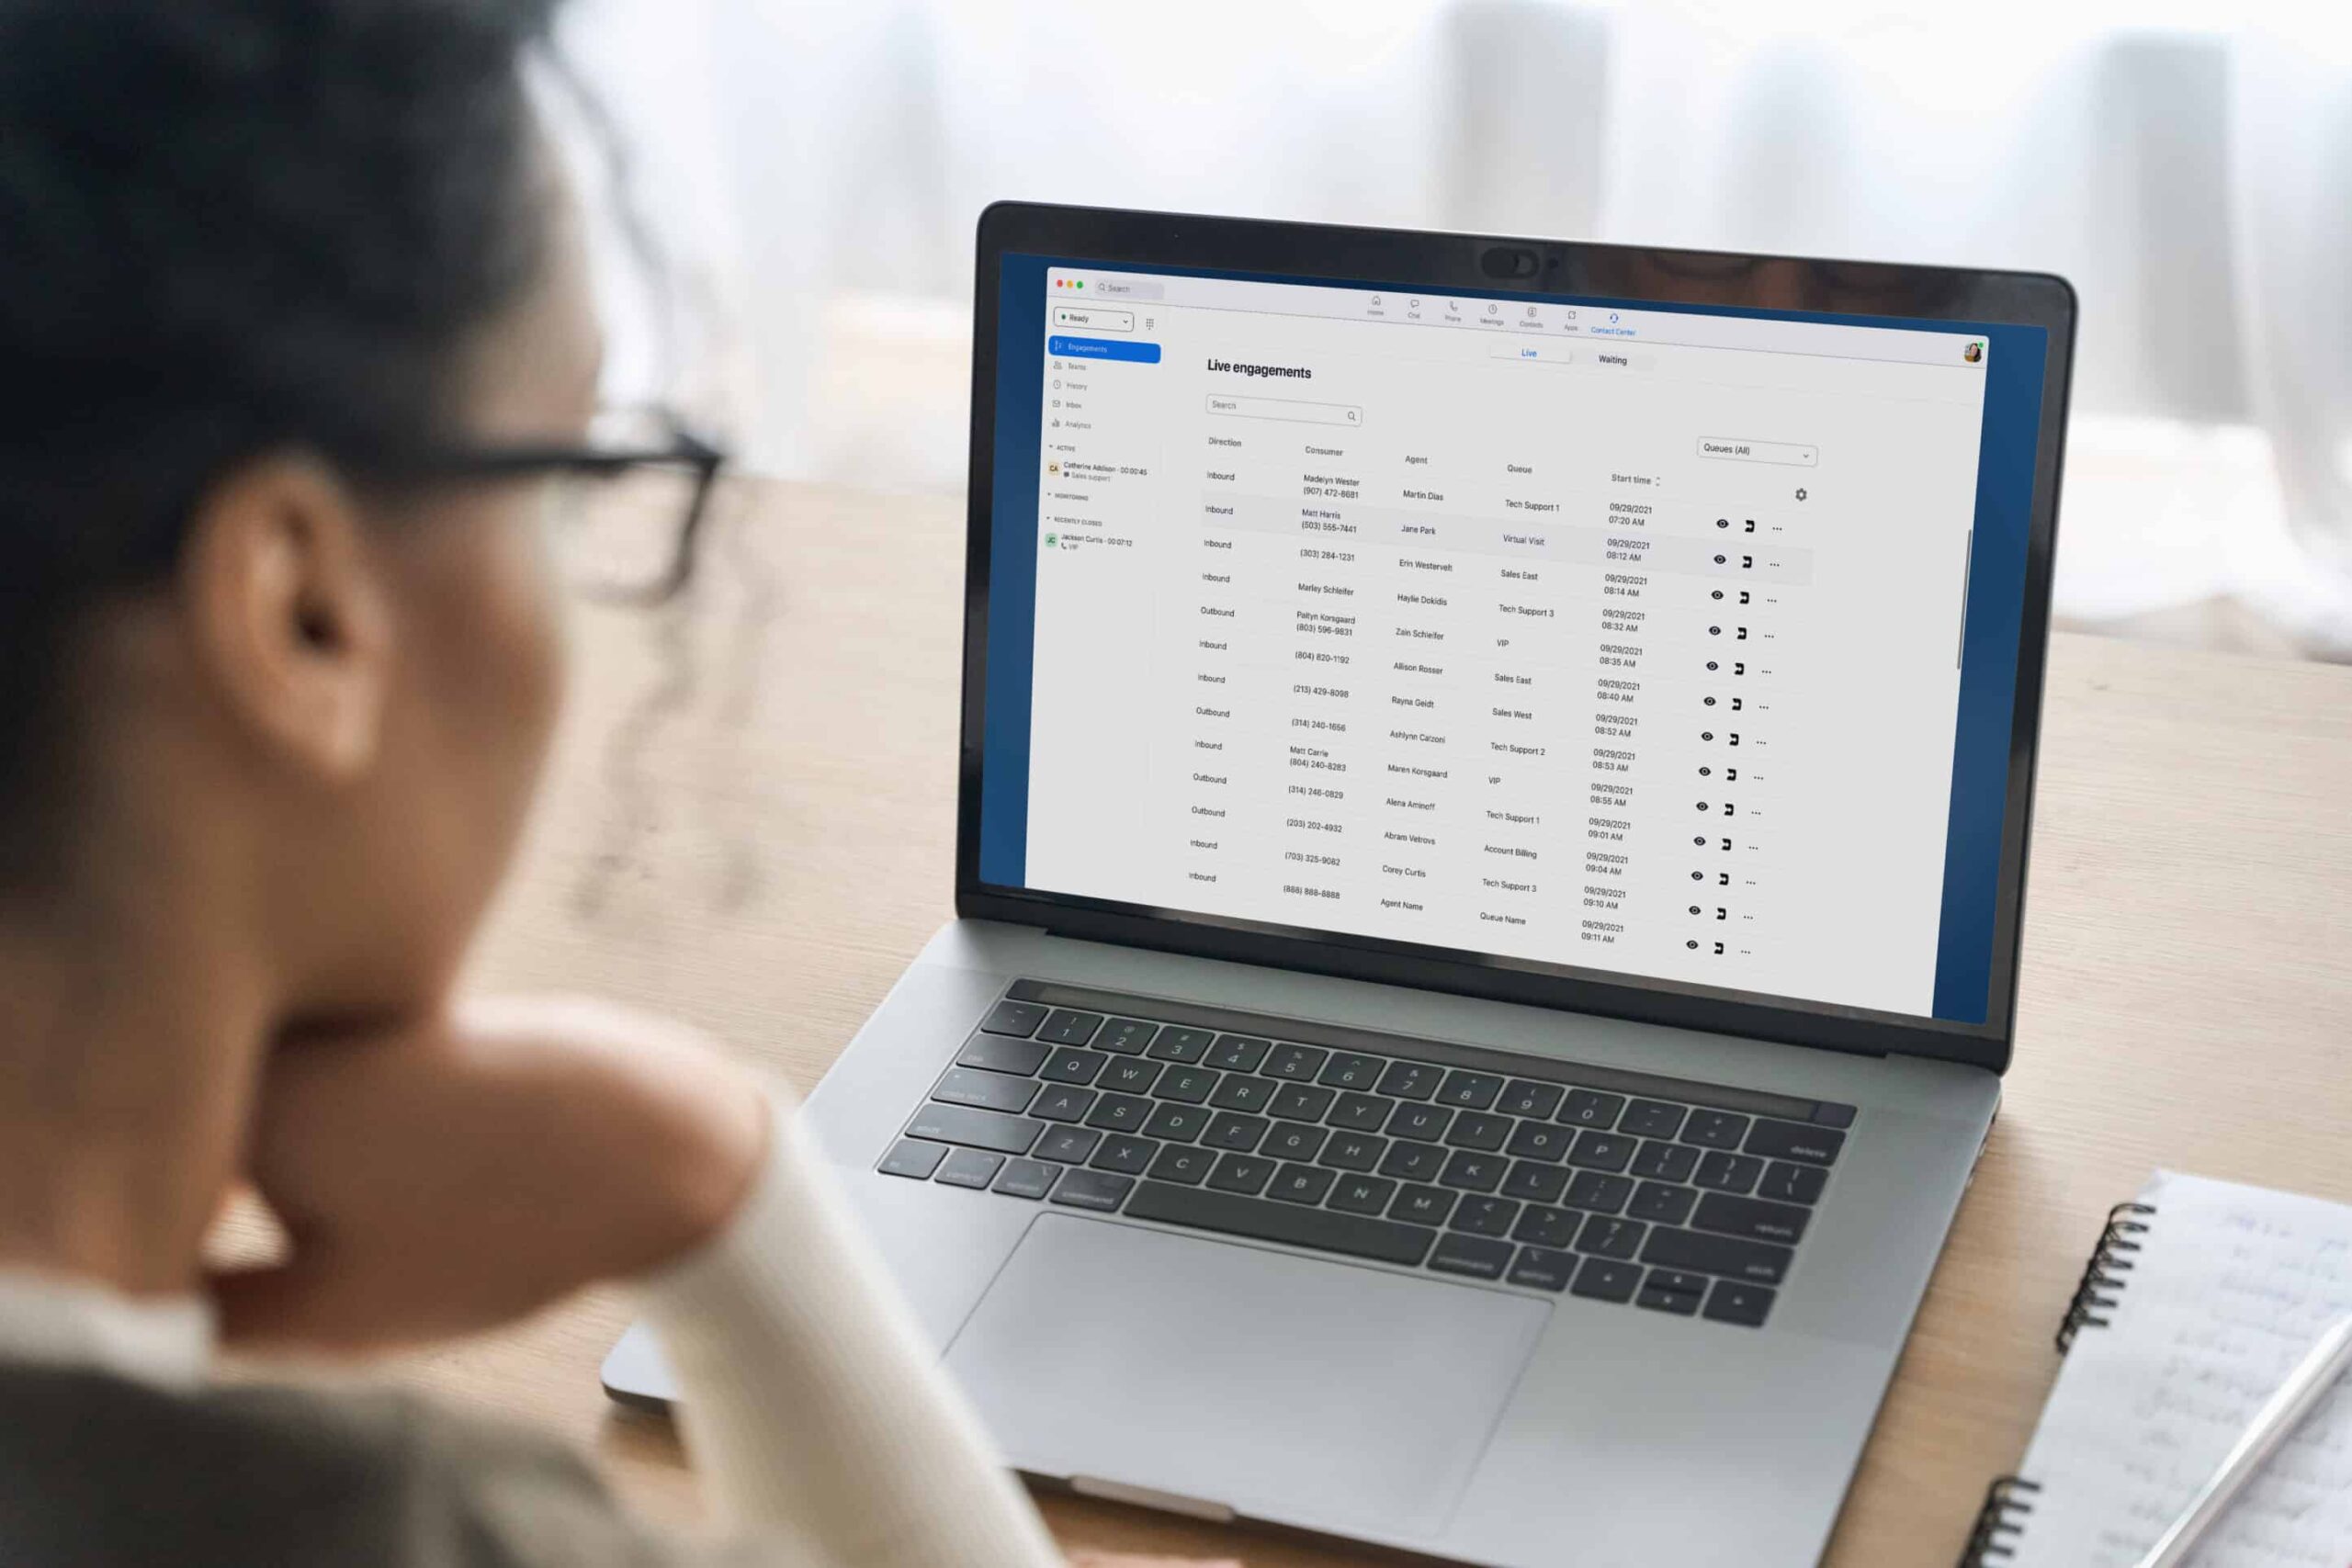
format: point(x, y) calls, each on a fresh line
point(1287, 409)
point(1094, 321)
point(1786, 452)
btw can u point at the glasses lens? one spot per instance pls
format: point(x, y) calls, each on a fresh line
point(617, 536)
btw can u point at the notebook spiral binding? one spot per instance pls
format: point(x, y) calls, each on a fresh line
point(2102, 1276)
point(1994, 1540)
point(2010, 1500)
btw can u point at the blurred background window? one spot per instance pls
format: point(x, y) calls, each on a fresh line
point(815, 168)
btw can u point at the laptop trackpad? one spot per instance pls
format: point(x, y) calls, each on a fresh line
point(1267, 1382)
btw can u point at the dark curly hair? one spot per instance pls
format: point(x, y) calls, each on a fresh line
point(226, 226)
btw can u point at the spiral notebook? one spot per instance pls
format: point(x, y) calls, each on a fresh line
point(2199, 1299)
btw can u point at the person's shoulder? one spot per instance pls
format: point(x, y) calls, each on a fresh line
point(98, 1469)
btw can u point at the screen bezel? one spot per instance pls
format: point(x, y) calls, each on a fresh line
point(1459, 263)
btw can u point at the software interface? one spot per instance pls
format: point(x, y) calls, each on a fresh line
point(1627, 640)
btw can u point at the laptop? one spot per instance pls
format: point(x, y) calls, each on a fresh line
point(1493, 817)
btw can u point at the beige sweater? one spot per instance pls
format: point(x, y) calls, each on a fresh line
point(825, 1432)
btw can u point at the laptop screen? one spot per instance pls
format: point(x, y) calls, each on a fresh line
point(1671, 645)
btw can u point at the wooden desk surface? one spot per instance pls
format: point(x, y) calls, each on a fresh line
point(749, 822)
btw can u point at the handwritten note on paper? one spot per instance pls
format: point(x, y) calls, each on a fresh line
point(2231, 1288)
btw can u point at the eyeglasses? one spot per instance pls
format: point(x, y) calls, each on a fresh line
point(625, 508)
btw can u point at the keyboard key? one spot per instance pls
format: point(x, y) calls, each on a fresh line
point(1538, 1139)
point(1413, 1162)
point(1096, 1190)
point(1181, 1123)
point(1793, 1140)
point(1026, 1178)
point(1410, 1080)
point(1348, 1069)
point(1067, 1026)
point(1793, 1183)
point(1062, 1103)
point(1665, 1290)
point(1359, 1112)
point(1756, 1262)
point(1665, 1162)
point(1521, 1098)
point(1354, 1151)
point(1651, 1119)
point(1301, 1184)
point(1547, 1228)
point(1751, 1217)
point(1662, 1204)
point(1241, 1173)
point(1607, 1237)
point(1180, 1163)
point(1296, 1064)
point(1426, 1123)
point(912, 1157)
point(1535, 1182)
point(1013, 1017)
point(1126, 1155)
point(1601, 1151)
point(1301, 1102)
point(969, 1168)
point(1240, 1093)
point(1120, 1113)
point(1295, 1140)
point(1715, 1129)
point(1130, 1077)
point(1477, 1130)
point(1422, 1205)
point(990, 1091)
point(1729, 1173)
point(1066, 1146)
point(1327, 1230)
point(1541, 1267)
point(1484, 1216)
point(1125, 1036)
point(975, 1129)
point(1473, 1256)
point(1473, 1172)
point(1606, 1280)
point(1732, 1302)
point(1468, 1090)
point(1177, 1045)
point(1239, 1053)
point(1827, 1115)
point(1072, 1066)
point(1229, 1130)
point(1600, 1193)
point(996, 1053)
point(1591, 1108)
point(1363, 1194)
point(1187, 1085)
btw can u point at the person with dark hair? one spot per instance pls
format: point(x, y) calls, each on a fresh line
point(297, 339)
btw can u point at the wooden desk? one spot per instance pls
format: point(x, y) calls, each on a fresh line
point(749, 824)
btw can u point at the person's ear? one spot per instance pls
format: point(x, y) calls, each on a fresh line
point(286, 604)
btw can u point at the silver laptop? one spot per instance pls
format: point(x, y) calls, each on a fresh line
point(1495, 778)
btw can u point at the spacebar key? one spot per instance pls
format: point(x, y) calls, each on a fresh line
point(1385, 1240)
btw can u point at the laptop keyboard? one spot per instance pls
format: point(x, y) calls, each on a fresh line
point(1610, 1186)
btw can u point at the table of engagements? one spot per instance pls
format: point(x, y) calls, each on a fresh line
point(1556, 721)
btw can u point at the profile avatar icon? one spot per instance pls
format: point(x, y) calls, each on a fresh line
point(1973, 353)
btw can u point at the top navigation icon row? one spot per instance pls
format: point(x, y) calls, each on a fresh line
point(1487, 312)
